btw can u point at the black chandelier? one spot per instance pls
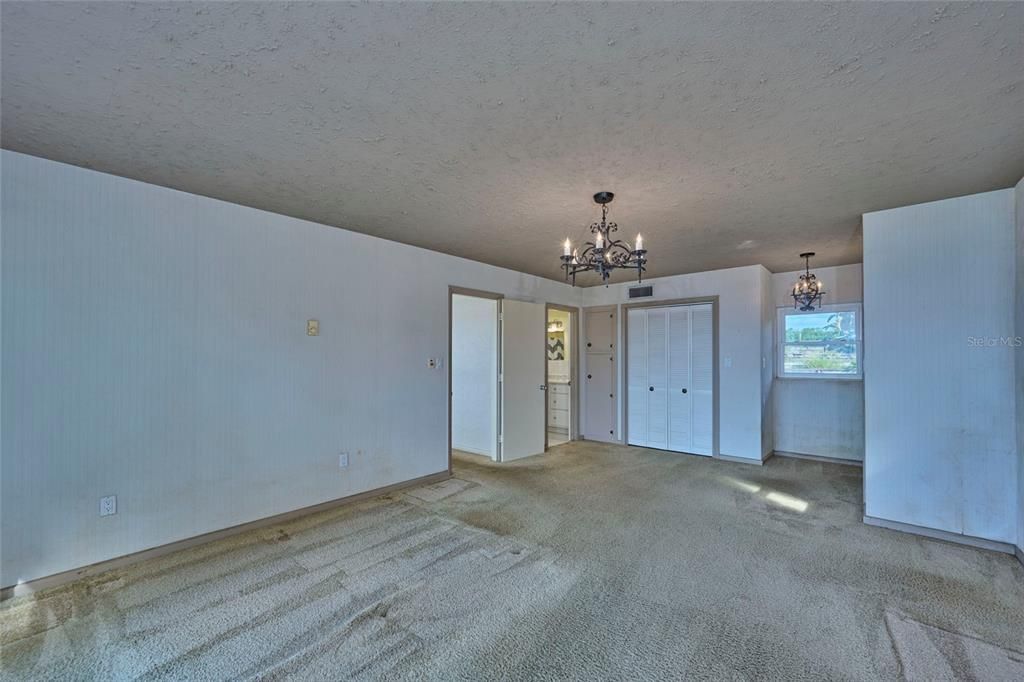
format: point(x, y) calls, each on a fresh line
point(604, 254)
point(808, 290)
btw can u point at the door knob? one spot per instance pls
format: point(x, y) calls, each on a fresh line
point(651, 388)
point(684, 390)
point(589, 376)
point(543, 387)
point(588, 344)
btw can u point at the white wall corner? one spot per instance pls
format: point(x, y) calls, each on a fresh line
point(949, 460)
point(1019, 358)
point(767, 362)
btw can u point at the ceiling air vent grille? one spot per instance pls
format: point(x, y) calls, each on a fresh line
point(641, 292)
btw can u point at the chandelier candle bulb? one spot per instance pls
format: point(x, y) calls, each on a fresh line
point(566, 248)
point(639, 243)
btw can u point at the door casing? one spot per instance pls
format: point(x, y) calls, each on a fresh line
point(573, 371)
point(462, 291)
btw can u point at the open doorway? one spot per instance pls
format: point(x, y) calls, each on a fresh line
point(474, 407)
point(561, 369)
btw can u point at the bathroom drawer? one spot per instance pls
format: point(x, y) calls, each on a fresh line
point(557, 402)
point(559, 418)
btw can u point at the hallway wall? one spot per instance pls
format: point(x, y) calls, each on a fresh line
point(154, 348)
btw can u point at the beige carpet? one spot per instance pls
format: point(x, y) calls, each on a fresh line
point(592, 562)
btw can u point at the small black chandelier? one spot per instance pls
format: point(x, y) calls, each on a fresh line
point(808, 290)
point(604, 254)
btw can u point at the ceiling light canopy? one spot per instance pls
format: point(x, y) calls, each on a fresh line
point(604, 254)
point(808, 290)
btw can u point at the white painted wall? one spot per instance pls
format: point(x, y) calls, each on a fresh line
point(740, 337)
point(821, 417)
point(1019, 357)
point(154, 347)
point(475, 374)
point(940, 411)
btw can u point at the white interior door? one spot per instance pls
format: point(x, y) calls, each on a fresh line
point(523, 370)
point(599, 394)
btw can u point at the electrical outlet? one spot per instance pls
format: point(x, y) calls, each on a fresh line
point(108, 505)
point(343, 460)
point(431, 363)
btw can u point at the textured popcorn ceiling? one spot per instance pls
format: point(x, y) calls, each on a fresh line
point(732, 134)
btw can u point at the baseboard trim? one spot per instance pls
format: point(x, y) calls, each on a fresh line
point(935, 534)
point(488, 455)
point(740, 460)
point(820, 458)
point(65, 577)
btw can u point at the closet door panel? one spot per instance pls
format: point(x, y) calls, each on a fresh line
point(636, 382)
point(601, 391)
point(598, 385)
point(702, 378)
point(680, 431)
point(600, 331)
point(657, 378)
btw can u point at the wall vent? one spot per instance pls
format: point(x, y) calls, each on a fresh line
point(641, 292)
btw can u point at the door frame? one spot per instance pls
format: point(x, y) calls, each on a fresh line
point(574, 325)
point(475, 293)
point(671, 303)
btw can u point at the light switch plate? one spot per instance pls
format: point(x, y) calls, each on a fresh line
point(312, 327)
point(108, 505)
point(343, 460)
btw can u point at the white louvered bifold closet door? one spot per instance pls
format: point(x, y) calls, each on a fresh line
point(657, 378)
point(680, 415)
point(670, 378)
point(702, 372)
point(636, 382)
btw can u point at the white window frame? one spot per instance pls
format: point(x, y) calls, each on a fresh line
point(780, 342)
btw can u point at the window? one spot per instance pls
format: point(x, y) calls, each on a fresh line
point(822, 344)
